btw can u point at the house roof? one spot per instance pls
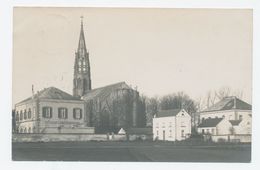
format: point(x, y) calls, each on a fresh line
point(168, 113)
point(229, 103)
point(51, 93)
point(213, 122)
point(103, 92)
point(140, 131)
point(235, 122)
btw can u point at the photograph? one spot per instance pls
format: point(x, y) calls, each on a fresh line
point(111, 84)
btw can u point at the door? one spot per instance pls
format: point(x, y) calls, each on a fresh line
point(164, 135)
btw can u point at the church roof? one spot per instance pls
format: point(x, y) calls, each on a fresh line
point(168, 113)
point(103, 92)
point(229, 103)
point(211, 122)
point(51, 93)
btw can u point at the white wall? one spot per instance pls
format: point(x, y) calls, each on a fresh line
point(172, 126)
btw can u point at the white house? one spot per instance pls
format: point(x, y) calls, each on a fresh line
point(229, 117)
point(230, 108)
point(171, 125)
point(51, 111)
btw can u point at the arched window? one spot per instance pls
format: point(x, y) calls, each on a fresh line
point(25, 115)
point(21, 130)
point(17, 116)
point(29, 113)
point(25, 130)
point(21, 115)
point(34, 130)
point(240, 117)
point(29, 130)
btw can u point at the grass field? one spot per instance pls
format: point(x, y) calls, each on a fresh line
point(129, 151)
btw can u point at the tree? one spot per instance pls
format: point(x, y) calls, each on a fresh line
point(152, 105)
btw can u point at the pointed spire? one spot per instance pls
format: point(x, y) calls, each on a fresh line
point(82, 45)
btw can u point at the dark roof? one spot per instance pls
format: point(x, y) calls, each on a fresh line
point(51, 93)
point(213, 122)
point(167, 113)
point(140, 131)
point(103, 92)
point(235, 122)
point(229, 103)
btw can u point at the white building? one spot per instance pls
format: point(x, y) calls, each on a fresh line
point(171, 125)
point(51, 111)
point(230, 116)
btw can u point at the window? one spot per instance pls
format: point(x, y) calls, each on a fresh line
point(203, 131)
point(21, 115)
point(170, 132)
point(29, 114)
point(77, 113)
point(17, 116)
point(63, 113)
point(29, 130)
point(25, 115)
point(182, 133)
point(203, 119)
point(163, 124)
point(212, 131)
point(182, 124)
point(223, 116)
point(157, 133)
point(47, 112)
point(240, 117)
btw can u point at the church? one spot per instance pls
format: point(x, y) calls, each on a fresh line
point(87, 110)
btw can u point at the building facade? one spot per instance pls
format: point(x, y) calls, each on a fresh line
point(51, 111)
point(172, 125)
point(230, 117)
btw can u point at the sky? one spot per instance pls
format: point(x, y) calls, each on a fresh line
point(161, 51)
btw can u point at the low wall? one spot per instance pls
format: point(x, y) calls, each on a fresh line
point(64, 137)
point(231, 138)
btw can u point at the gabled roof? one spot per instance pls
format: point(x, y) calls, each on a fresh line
point(235, 122)
point(213, 122)
point(51, 93)
point(103, 92)
point(168, 113)
point(229, 103)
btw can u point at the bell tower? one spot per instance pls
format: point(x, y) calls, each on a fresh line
point(82, 78)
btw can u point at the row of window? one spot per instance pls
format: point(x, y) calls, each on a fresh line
point(23, 115)
point(208, 131)
point(29, 130)
point(170, 124)
point(47, 112)
point(170, 133)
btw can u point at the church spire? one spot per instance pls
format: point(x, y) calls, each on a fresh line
point(82, 78)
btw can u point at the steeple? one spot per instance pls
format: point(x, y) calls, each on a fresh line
point(82, 78)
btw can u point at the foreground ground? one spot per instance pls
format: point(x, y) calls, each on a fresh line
point(129, 151)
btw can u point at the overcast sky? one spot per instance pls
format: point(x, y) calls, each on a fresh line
point(161, 51)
